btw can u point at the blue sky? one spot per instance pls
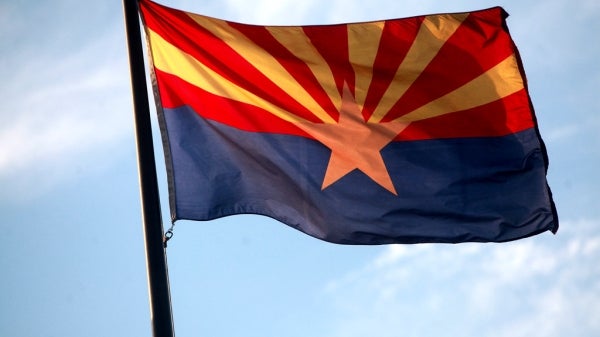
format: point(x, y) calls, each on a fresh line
point(71, 250)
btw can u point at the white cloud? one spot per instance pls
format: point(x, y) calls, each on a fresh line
point(271, 12)
point(541, 286)
point(563, 133)
point(60, 108)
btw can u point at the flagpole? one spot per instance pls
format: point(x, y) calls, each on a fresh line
point(156, 262)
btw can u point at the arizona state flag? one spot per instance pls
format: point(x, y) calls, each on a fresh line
point(400, 131)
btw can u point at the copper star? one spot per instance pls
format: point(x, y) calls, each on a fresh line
point(355, 143)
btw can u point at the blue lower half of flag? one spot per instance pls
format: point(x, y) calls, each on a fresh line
point(449, 190)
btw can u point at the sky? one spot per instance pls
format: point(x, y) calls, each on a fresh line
point(71, 248)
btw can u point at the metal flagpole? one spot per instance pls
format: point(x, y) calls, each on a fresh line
point(156, 263)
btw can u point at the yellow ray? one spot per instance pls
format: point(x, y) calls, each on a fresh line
point(295, 40)
point(433, 34)
point(264, 62)
point(363, 44)
point(500, 81)
point(172, 60)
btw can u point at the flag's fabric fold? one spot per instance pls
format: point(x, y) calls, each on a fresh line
point(399, 131)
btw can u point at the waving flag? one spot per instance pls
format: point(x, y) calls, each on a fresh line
point(400, 131)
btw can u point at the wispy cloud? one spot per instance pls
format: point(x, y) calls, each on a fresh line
point(542, 286)
point(269, 12)
point(60, 106)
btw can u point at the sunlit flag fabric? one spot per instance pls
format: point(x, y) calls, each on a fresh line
point(400, 131)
